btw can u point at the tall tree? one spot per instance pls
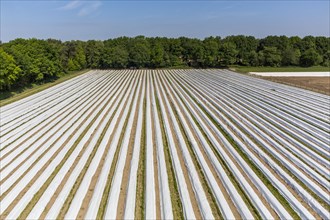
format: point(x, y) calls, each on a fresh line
point(115, 57)
point(269, 56)
point(310, 58)
point(9, 71)
point(43, 60)
point(228, 53)
point(93, 53)
point(244, 46)
point(139, 52)
point(157, 55)
point(290, 56)
point(211, 48)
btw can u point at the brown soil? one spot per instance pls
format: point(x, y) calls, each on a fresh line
point(234, 209)
point(208, 191)
point(281, 180)
point(31, 154)
point(192, 196)
point(37, 160)
point(106, 192)
point(157, 193)
point(126, 174)
point(316, 84)
point(21, 143)
point(235, 182)
point(44, 119)
point(53, 133)
point(174, 193)
point(58, 190)
point(140, 182)
point(86, 200)
point(39, 193)
point(288, 186)
point(256, 138)
point(22, 193)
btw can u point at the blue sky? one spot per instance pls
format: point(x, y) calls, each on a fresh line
point(83, 20)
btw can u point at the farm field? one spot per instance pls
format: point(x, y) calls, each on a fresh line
point(292, 69)
point(8, 97)
point(292, 74)
point(318, 84)
point(166, 144)
point(314, 81)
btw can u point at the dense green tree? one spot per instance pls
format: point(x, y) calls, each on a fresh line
point(72, 65)
point(295, 42)
point(244, 46)
point(139, 52)
point(26, 61)
point(80, 57)
point(93, 52)
point(211, 48)
point(74, 53)
point(175, 52)
point(279, 42)
point(115, 57)
point(307, 43)
point(39, 60)
point(9, 71)
point(290, 56)
point(228, 53)
point(253, 58)
point(322, 45)
point(310, 58)
point(157, 56)
point(326, 59)
point(193, 52)
point(269, 56)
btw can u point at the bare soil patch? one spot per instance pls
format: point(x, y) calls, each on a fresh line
point(316, 84)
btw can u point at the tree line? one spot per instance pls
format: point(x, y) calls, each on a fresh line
point(26, 61)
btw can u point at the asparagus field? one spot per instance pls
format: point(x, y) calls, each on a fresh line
point(183, 144)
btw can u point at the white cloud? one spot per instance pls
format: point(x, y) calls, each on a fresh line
point(83, 7)
point(89, 8)
point(72, 5)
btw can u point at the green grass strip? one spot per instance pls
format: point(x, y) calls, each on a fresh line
point(37, 196)
point(257, 171)
point(173, 186)
point(42, 189)
point(231, 176)
point(78, 181)
point(106, 192)
point(211, 199)
point(141, 176)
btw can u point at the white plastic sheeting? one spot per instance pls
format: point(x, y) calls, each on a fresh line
point(284, 131)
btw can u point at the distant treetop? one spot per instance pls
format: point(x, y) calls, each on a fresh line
point(26, 61)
